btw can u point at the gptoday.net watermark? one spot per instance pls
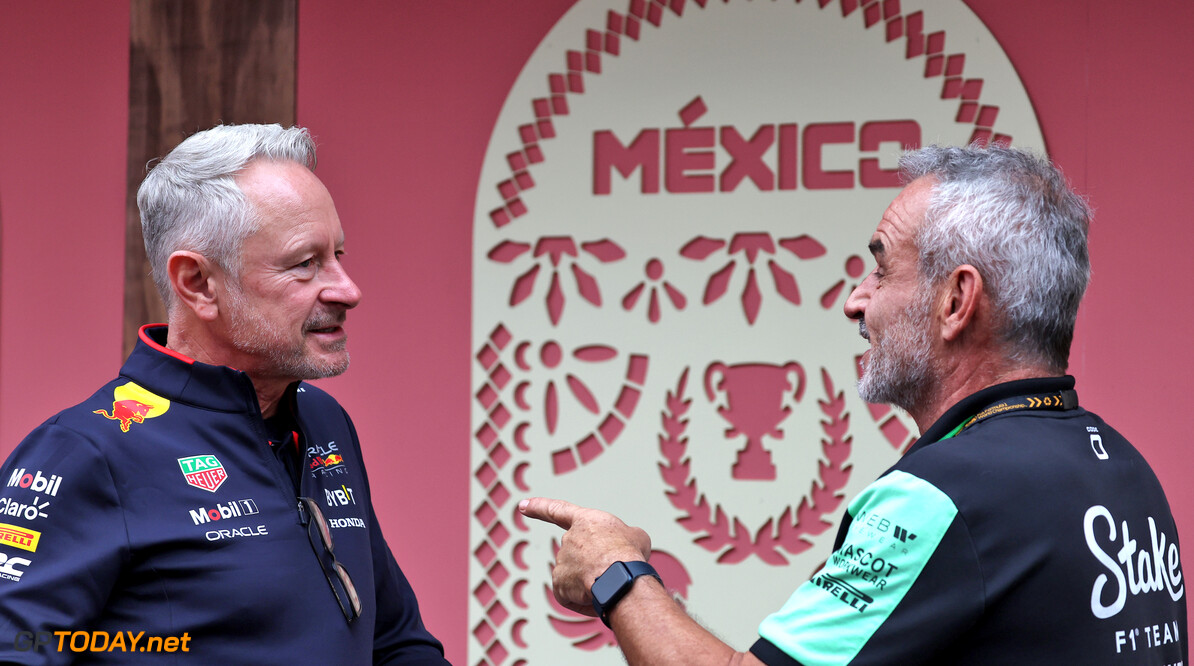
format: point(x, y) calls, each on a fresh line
point(100, 641)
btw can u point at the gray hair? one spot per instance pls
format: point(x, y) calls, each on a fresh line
point(1011, 215)
point(190, 199)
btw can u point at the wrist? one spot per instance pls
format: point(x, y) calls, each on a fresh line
point(610, 587)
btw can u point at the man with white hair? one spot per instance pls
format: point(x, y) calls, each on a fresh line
point(209, 502)
point(1018, 529)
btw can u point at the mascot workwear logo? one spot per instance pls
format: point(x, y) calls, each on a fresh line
point(133, 404)
point(19, 537)
point(204, 472)
point(35, 481)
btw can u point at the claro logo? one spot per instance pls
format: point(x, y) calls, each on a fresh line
point(1133, 570)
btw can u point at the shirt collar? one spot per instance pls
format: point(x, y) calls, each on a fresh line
point(974, 403)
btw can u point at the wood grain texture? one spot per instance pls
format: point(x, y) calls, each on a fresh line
point(194, 64)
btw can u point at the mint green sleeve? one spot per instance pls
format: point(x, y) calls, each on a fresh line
point(897, 525)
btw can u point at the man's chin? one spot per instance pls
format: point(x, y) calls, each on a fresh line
point(866, 390)
point(872, 386)
point(331, 367)
point(317, 364)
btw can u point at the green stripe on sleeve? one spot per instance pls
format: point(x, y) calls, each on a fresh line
point(898, 522)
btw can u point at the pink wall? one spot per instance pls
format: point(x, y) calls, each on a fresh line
point(402, 97)
point(64, 105)
point(1106, 78)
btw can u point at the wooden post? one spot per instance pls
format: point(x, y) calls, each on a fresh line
point(194, 64)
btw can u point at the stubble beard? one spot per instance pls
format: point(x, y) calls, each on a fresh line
point(255, 335)
point(899, 369)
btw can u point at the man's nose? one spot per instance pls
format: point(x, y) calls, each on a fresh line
point(341, 288)
point(856, 302)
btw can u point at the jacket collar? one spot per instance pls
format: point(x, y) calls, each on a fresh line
point(179, 378)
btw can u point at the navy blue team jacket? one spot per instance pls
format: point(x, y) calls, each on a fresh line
point(156, 506)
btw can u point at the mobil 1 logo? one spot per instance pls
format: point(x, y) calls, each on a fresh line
point(234, 509)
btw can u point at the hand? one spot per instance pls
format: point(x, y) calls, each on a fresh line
point(593, 540)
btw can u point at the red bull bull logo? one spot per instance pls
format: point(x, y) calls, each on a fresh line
point(133, 404)
point(332, 463)
point(127, 412)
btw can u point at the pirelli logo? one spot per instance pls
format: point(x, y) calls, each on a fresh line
point(19, 537)
point(844, 592)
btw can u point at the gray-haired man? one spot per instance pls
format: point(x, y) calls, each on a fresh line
point(208, 502)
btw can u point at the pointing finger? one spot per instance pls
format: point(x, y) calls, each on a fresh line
point(554, 511)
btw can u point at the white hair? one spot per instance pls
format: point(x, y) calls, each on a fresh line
point(1011, 215)
point(190, 199)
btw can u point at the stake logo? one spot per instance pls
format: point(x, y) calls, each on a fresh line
point(674, 206)
point(204, 472)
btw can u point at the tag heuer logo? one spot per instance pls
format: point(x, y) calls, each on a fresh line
point(204, 472)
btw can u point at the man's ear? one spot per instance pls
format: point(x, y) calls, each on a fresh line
point(964, 301)
point(192, 276)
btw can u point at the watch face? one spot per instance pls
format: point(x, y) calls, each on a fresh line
point(609, 583)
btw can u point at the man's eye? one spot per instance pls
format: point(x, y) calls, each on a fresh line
point(305, 264)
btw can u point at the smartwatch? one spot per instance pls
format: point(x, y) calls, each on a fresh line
point(611, 586)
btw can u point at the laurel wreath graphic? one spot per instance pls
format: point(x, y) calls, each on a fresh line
point(719, 531)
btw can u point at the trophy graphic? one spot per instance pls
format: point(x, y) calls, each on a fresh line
point(754, 407)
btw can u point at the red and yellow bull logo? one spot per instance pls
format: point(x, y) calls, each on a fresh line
point(19, 537)
point(332, 463)
point(133, 404)
point(329, 461)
